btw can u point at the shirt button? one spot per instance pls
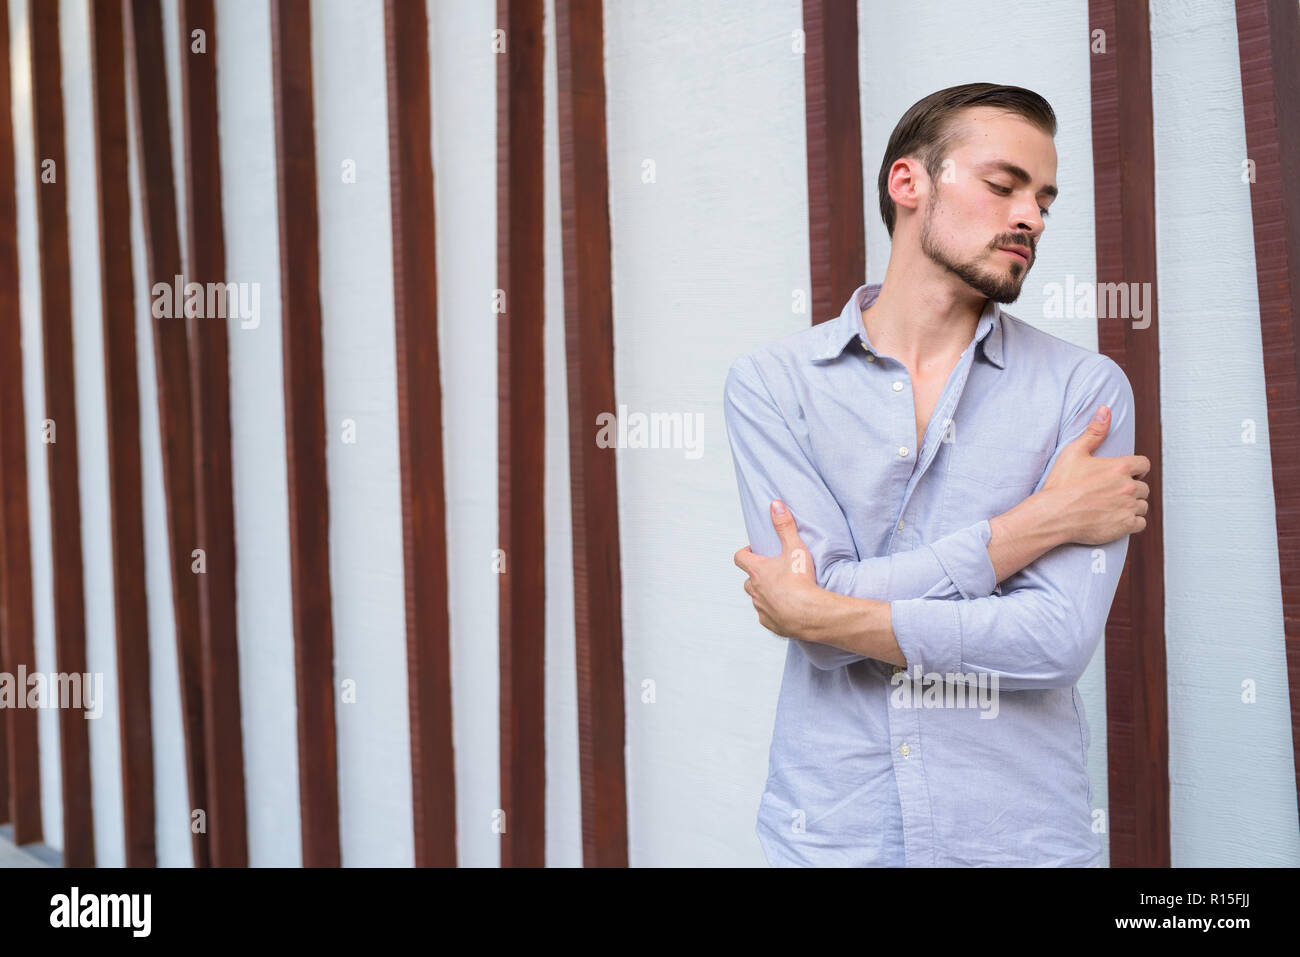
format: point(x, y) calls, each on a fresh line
point(900, 524)
point(902, 450)
point(899, 669)
point(898, 387)
point(905, 750)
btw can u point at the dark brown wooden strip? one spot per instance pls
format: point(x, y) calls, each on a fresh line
point(1137, 711)
point(210, 378)
point(143, 30)
point(419, 422)
point(60, 406)
point(837, 240)
point(122, 403)
point(21, 795)
point(593, 481)
point(521, 441)
point(304, 398)
point(1268, 42)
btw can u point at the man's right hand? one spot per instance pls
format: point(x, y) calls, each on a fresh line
point(1100, 499)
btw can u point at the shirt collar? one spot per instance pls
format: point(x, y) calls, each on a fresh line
point(847, 326)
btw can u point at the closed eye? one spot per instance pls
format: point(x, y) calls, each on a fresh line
point(1006, 191)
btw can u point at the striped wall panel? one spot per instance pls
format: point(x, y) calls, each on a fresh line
point(837, 235)
point(148, 97)
point(521, 455)
point(1268, 38)
point(122, 399)
point(1137, 712)
point(419, 409)
point(20, 778)
point(304, 389)
point(589, 341)
point(60, 409)
point(209, 375)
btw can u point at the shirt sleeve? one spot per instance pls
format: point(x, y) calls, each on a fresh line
point(771, 463)
point(1043, 630)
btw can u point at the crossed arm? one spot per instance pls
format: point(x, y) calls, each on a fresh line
point(933, 606)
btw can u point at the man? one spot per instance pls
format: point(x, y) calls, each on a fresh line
point(947, 518)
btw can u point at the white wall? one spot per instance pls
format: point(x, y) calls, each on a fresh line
point(267, 684)
point(80, 176)
point(365, 493)
point(464, 137)
point(1231, 765)
point(563, 773)
point(707, 260)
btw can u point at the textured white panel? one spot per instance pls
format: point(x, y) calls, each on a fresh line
point(365, 493)
point(708, 205)
point(464, 143)
point(92, 431)
point(1231, 766)
point(267, 689)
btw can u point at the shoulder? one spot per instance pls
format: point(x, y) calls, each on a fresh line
point(775, 365)
point(1078, 367)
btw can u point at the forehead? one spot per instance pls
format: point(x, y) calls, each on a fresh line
point(984, 133)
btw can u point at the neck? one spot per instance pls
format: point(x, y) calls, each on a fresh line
point(924, 316)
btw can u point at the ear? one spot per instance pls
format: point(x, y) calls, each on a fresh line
point(908, 183)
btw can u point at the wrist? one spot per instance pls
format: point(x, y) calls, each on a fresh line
point(1046, 517)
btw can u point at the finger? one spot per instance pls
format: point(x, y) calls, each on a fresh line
point(1143, 490)
point(743, 558)
point(1138, 465)
point(1143, 506)
point(1091, 437)
point(749, 587)
point(786, 529)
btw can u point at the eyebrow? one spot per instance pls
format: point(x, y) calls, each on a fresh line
point(1013, 170)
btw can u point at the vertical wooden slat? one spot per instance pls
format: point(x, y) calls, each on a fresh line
point(22, 796)
point(837, 239)
point(419, 422)
point(589, 342)
point(143, 30)
point(60, 407)
point(304, 397)
point(210, 376)
point(521, 441)
point(122, 401)
point(1124, 175)
point(1268, 42)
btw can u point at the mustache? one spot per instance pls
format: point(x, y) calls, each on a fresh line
point(1014, 240)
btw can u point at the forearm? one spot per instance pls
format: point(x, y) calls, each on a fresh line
point(860, 626)
point(1025, 533)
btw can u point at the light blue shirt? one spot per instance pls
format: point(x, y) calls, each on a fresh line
point(865, 767)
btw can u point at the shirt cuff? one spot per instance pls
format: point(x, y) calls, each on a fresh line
point(928, 633)
point(965, 558)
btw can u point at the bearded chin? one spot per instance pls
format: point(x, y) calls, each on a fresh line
point(995, 286)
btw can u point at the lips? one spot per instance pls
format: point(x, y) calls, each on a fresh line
point(1019, 251)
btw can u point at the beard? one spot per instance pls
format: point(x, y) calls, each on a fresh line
point(976, 273)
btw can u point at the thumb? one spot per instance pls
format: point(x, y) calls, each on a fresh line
point(783, 522)
point(1096, 430)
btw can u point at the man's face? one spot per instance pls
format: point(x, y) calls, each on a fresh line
point(988, 202)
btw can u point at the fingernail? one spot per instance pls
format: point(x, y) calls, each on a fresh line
point(778, 507)
point(1101, 414)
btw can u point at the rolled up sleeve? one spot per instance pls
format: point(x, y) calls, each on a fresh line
point(770, 463)
point(1043, 630)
